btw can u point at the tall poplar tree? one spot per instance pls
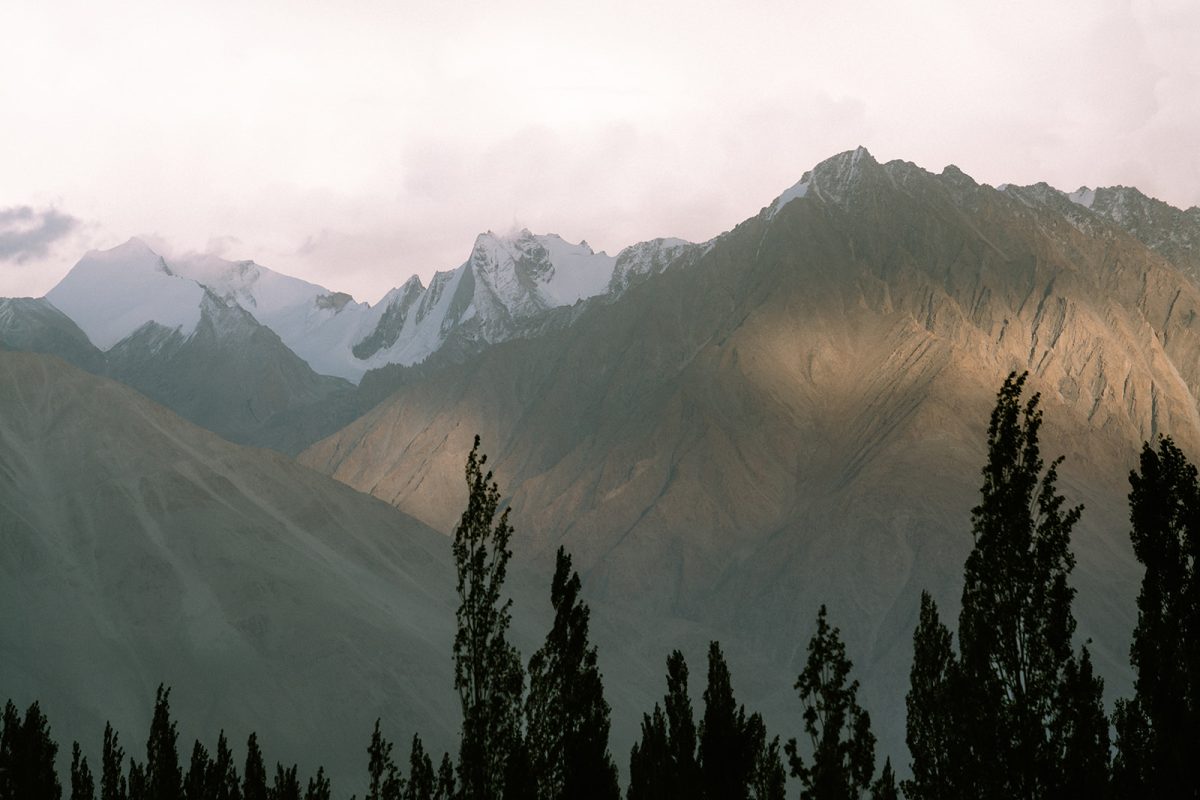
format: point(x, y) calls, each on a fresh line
point(83, 786)
point(112, 771)
point(254, 775)
point(1158, 729)
point(651, 776)
point(726, 749)
point(164, 776)
point(930, 726)
point(1016, 625)
point(421, 779)
point(681, 729)
point(842, 760)
point(567, 715)
point(487, 669)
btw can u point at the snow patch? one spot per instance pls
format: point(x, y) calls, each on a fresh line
point(1083, 196)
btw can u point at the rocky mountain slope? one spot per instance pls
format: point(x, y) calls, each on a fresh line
point(34, 325)
point(798, 417)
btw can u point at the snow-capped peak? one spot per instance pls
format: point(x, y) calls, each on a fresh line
point(111, 293)
point(544, 270)
point(829, 180)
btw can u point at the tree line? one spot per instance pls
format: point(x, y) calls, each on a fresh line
point(1007, 708)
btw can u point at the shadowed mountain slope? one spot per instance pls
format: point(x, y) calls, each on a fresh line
point(137, 548)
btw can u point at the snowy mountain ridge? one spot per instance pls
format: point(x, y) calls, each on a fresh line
point(506, 279)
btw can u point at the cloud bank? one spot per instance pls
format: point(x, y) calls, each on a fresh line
point(26, 233)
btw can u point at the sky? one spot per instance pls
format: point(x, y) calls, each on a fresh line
point(357, 143)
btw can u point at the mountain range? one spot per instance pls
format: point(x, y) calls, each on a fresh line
point(724, 434)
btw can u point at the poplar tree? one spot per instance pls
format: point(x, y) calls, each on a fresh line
point(1158, 728)
point(681, 729)
point(446, 785)
point(421, 779)
point(930, 725)
point(287, 785)
point(27, 753)
point(385, 780)
point(197, 783)
point(650, 771)
point(842, 759)
point(726, 749)
point(164, 776)
point(567, 715)
point(1016, 625)
point(112, 773)
point(83, 786)
point(223, 781)
point(488, 675)
point(768, 779)
point(318, 787)
point(254, 775)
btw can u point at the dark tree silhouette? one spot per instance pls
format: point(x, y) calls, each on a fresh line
point(930, 730)
point(421, 780)
point(112, 772)
point(487, 669)
point(254, 774)
point(386, 783)
point(1158, 729)
point(839, 731)
point(1016, 625)
point(83, 786)
point(566, 713)
point(727, 746)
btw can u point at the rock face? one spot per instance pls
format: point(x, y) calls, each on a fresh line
point(34, 325)
point(799, 417)
point(234, 377)
point(138, 548)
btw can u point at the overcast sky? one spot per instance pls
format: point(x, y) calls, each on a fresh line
point(357, 143)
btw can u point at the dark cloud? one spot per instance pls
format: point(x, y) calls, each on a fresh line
point(27, 233)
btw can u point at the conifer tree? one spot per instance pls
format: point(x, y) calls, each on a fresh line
point(83, 786)
point(567, 715)
point(446, 788)
point(1157, 729)
point(487, 669)
point(196, 783)
point(287, 785)
point(112, 773)
point(318, 787)
point(930, 729)
point(421, 780)
point(224, 777)
point(839, 731)
point(1016, 625)
point(164, 777)
point(254, 775)
point(651, 773)
point(385, 780)
point(726, 751)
